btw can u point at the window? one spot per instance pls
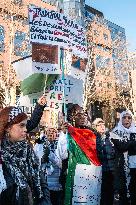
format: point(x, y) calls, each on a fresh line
point(52, 2)
point(109, 85)
point(100, 84)
point(2, 36)
point(102, 62)
point(96, 33)
point(107, 49)
point(17, 2)
point(105, 36)
point(22, 47)
point(125, 77)
point(2, 73)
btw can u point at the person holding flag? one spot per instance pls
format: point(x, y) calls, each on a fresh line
point(83, 183)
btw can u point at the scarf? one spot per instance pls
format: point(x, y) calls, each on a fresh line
point(23, 165)
point(124, 134)
point(2, 180)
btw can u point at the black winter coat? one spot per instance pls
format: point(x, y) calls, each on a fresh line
point(35, 118)
point(8, 197)
point(120, 148)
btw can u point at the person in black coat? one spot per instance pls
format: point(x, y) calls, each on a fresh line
point(36, 115)
point(25, 183)
point(126, 160)
point(110, 149)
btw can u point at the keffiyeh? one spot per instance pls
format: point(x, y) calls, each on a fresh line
point(14, 113)
point(23, 165)
point(2, 180)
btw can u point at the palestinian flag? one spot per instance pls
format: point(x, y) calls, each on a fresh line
point(31, 82)
point(83, 184)
point(36, 82)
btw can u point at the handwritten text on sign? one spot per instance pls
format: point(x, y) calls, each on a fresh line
point(46, 68)
point(51, 27)
point(73, 93)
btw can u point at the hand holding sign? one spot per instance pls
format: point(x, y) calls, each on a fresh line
point(42, 100)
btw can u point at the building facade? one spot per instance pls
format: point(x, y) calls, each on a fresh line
point(108, 65)
point(75, 9)
point(14, 40)
point(132, 78)
point(119, 53)
point(101, 91)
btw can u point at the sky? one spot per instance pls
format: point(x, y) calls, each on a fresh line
point(122, 13)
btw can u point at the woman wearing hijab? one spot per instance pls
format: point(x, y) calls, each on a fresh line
point(23, 181)
point(110, 149)
point(126, 131)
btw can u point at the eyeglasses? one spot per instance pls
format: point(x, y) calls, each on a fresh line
point(125, 117)
point(100, 125)
point(79, 114)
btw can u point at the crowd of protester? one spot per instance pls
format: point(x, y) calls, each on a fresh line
point(39, 168)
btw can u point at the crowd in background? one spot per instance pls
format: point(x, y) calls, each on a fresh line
point(38, 168)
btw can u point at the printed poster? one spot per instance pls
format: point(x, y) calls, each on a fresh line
point(75, 66)
point(45, 59)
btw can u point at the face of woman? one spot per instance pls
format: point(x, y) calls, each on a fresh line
point(126, 120)
point(51, 134)
point(81, 118)
point(101, 128)
point(18, 132)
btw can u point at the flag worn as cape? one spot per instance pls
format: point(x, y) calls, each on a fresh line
point(82, 150)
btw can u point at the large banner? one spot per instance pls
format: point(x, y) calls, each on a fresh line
point(51, 27)
point(45, 59)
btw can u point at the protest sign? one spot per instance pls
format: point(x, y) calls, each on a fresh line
point(54, 94)
point(51, 27)
point(73, 93)
point(45, 59)
point(75, 66)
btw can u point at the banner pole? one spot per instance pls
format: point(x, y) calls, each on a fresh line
point(63, 80)
point(44, 90)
